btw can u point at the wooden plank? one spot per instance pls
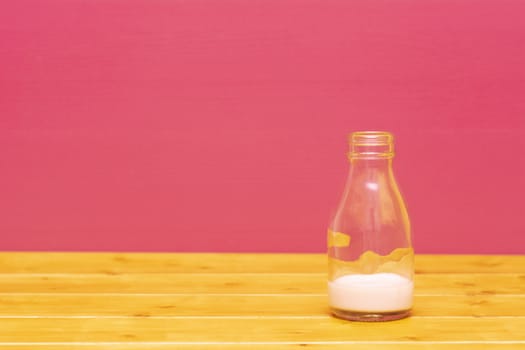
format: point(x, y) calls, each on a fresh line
point(256, 329)
point(426, 284)
point(38, 262)
point(500, 345)
point(60, 305)
point(470, 263)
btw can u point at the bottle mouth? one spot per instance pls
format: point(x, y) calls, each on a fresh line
point(371, 144)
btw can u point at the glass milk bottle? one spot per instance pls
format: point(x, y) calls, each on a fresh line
point(370, 254)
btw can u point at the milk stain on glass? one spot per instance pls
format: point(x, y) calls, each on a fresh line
point(371, 260)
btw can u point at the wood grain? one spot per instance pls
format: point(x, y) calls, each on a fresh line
point(32, 262)
point(241, 283)
point(257, 329)
point(194, 305)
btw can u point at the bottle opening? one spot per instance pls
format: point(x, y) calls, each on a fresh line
point(371, 144)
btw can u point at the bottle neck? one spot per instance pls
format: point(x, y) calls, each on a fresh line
point(375, 163)
point(374, 175)
point(373, 172)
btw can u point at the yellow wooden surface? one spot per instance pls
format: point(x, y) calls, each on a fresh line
point(246, 301)
point(233, 263)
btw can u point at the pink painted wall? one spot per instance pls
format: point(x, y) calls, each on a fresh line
point(205, 125)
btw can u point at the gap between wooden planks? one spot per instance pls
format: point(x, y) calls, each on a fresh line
point(406, 345)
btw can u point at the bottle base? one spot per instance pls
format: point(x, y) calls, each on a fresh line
point(369, 316)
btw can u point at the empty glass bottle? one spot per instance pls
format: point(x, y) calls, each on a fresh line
point(370, 253)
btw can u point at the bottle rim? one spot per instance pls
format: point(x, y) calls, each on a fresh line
point(371, 137)
point(371, 144)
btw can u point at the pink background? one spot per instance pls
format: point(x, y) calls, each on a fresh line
point(203, 125)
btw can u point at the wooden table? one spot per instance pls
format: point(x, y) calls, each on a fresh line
point(246, 301)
